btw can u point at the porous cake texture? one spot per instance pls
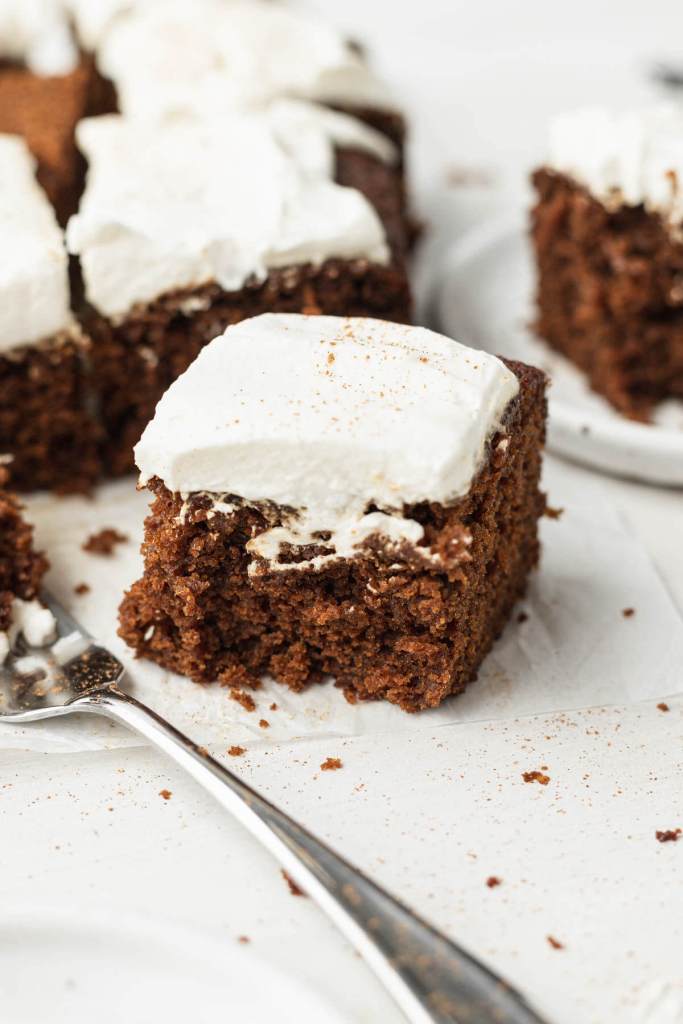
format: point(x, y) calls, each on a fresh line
point(338, 496)
point(607, 232)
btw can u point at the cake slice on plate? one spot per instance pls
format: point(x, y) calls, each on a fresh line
point(339, 496)
point(608, 234)
point(45, 428)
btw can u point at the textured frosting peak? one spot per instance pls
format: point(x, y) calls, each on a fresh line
point(180, 56)
point(37, 34)
point(189, 201)
point(329, 415)
point(34, 290)
point(624, 158)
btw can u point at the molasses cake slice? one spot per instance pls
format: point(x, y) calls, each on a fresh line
point(192, 224)
point(339, 496)
point(608, 234)
point(44, 427)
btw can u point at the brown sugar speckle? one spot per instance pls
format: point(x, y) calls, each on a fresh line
point(663, 706)
point(104, 542)
point(331, 764)
point(165, 793)
point(628, 613)
point(245, 699)
point(82, 588)
point(536, 776)
point(555, 943)
point(264, 723)
point(668, 835)
point(493, 882)
point(293, 887)
point(236, 751)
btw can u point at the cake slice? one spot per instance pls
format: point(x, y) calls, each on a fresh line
point(607, 229)
point(45, 428)
point(192, 224)
point(339, 496)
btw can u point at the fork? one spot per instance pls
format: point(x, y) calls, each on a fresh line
point(430, 978)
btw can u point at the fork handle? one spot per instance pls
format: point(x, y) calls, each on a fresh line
point(430, 978)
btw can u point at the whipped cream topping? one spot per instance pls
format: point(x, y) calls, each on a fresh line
point(325, 417)
point(93, 18)
point(34, 288)
point(180, 56)
point(624, 158)
point(190, 201)
point(31, 620)
point(37, 33)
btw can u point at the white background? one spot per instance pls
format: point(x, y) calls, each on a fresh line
point(85, 835)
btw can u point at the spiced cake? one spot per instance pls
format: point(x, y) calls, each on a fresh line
point(339, 496)
point(607, 230)
point(190, 224)
point(46, 430)
point(21, 571)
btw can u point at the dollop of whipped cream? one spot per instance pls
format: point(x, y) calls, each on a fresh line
point(29, 619)
point(627, 158)
point(181, 203)
point(37, 33)
point(34, 287)
point(340, 422)
point(184, 56)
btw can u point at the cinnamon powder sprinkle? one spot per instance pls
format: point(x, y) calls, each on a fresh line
point(668, 835)
point(104, 542)
point(492, 881)
point(293, 887)
point(539, 777)
point(245, 699)
point(331, 764)
point(236, 751)
point(555, 943)
point(166, 794)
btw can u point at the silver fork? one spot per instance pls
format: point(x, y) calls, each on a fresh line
point(430, 978)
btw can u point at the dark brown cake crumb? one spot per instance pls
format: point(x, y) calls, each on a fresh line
point(522, 617)
point(166, 794)
point(668, 835)
point(245, 699)
point(536, 776)
point(104, 541)
point(663, 706)
point(555, 943)
point(82, 588)
point(553, 513)
point(628, 613)
point(493, 881)
point(273, 706)
point(236, 751)
point(293, 887)
point(331, 764)
point(264, 723)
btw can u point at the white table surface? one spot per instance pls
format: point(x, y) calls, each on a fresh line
point(88, 833)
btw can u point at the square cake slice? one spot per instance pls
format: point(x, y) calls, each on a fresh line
point(45, 428)
point(607, 230)
point(189, 225)
point(340, 496)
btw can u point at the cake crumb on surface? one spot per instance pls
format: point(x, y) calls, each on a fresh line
point(165, 793)
point(245, 699)
point(331, 764)
point(273, 707)
point(243, 940)
point(663, 706)
point(493, 881)
point(536, 776)
point(104, 541)
point(236, 751)
point(295, 889)
point(553, 513)
point(522, 617)
point(264, 723)
point(555, 943)
point(668, 835)
point(82, 588)
point(628, 612)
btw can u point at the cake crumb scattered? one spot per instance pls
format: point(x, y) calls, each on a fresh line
point(273, 707)
point(245, 699)
point(668, 835)
point(331, 764)
point(628, 613)
point(104, 541)
point(264, 723)
point(236, 751)
point(82, 588)
point(243, 940)
point(165, 793)
point(663, 706)
point(536, 776)
point(555, 943)
point(493, 881)
point(553, 513)
point(293, 887)
point(522, 617)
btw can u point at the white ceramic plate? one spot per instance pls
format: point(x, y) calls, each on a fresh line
point(483, 298)
point(66, 968)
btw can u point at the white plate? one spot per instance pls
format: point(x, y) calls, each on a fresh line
point(484, 298)
point(66, 968)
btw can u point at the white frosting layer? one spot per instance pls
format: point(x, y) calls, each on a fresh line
point(179, 204)
point(31, 620)
point(37, 33)
point(624, 158)
point(209, 56)
point(34, 288)
point(93, 18)
point(328, 415)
